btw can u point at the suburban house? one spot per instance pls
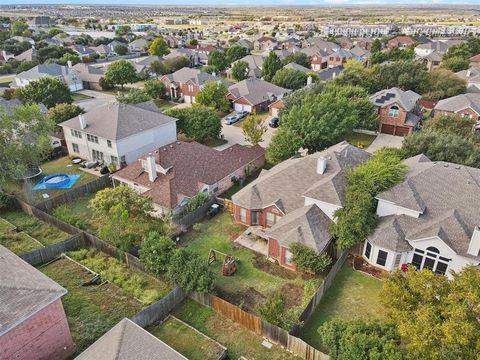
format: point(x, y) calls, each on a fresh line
point(360, 53)
point(118, 133)
point(431, 220)
point(255, 65)
point(139, 45)
point(295, 201)
point(318, 57)
point(463, 105)
point(107, 50)
point(431, 53)
point(128, 341)
point(339, 58)
point(364, 43)
point(399, 111)
point(320, 43)
point(345, 42)
point(247, 44)
point(68, 75)
point(27, 55)
point(275, 107)
point(33, 324)
point(171, 41)
point(472, 77)
point(187, 53)
point(83, 52)
point(401, 42)
point(142, 65)
point(176, 172)
point(265, 43)
point(187, 82)
point(90, 75)
point(254, 95)
point(203, 51)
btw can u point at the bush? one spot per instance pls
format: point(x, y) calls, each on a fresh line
point(134, 96)
point(197, 201)
point(308, 260)
point(156, 252)
point(274, 310)
point(105, 84)
point(64, 213)
point(155, 89)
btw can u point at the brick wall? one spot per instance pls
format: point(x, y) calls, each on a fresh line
point(398, 121)
point(43, 336)
point(460, 114)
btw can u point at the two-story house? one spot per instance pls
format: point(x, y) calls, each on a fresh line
point(265, 43)
point(401, 42)
point(463, 105)
point(431, 220)
point(118, 133)
point(398, 111)
point(68, 75)
point(187, 82)
point(295, 201)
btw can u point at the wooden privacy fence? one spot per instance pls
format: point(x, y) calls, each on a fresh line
point(261, 327)
point(188, 219)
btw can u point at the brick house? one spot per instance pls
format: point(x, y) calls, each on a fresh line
point(265, 43)
point(275, 107)
point(318, 57)
point(463, 106)
point(365, 43)
point(339, 58)
point(254, 95)
point(187, 83)
point(295, 201)
point(176, 172)
point(401, 42)
point(33, 324)
point(399, 111)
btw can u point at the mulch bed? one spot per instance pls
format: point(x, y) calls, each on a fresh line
point(262, 263)
point(247, 300)
point(360, 264)
point(293, 294)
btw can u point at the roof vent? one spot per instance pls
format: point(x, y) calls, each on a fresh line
point(445, 165)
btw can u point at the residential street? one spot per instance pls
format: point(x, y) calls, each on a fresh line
point(99, 98)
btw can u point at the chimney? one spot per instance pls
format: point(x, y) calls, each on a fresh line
point(321, 165)
point(309, 80)
point(69, 63)
point(214, 74)
point(83, 121)
point(469, 73)
point(151, 167)
point(474, 246)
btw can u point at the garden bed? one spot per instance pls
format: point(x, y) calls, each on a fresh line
point(91, 310)
point(186, 340)
point(77, 213)
point(18, 242)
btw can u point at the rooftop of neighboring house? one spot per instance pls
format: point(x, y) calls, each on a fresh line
point(403, 39)
point(360, 52)
point(446, 195)
point(286, 184)
point(256, 90)
point(470, 75)
point(180, 52)
point(460, 102)
point(266, 38)
point(128, 341)
point(82, 50)
point(139, 43)
point(103, 49)
point(475, 58)
point(253, 61)
point(116, 121)
point(24, 290)
point(330, 73)
point(322, 44)
point(342, 53)
point(186, 166)
point(315, 50)
point(8, 105)
point(41, 70)
point(406, 99)
point(296, 66)
point(88, 72)
point(186, 74)
point(27, 55)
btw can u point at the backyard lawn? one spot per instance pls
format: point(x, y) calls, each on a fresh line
point(91, 310)
point(186, 341)
point(164, 105)
point(362, 141)
point(78, 213)
point(352, 295)
point(255, 278)
point(238, 340)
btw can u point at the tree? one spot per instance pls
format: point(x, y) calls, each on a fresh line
point(274, 310)
point(121, 49)
point(214, 95)
point(159, 47)
point(18, 27)
point(25, 65)
point(177, 63)
point(405, 74)
point(134, 96)
point(105, 84)
point(284, 145)
point(156, 252)
point(240, 70)
point(235, 53)
point(120, 72)
point(218, 59)
point(24, 141)
point(63, 112)
point(193, 42)
point(189, 271)
point(455, 63)
point(451, 124)
point(198, 122)
point(158, 68)
point(74, 59)
point(120, 228)
point(155, 89)
point(133, 203)
point(376, 46)
point(357, 339)
point(271, 65)
point(307, 260)
point(52, 52)
point(123, 31)
point(356, 74)
point(444, 84)
point(48, 91)
point(290, 79)
point(436, 318)
point(297, 58)
point(253, 129)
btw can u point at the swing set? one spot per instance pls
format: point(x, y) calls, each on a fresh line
point(229, 262)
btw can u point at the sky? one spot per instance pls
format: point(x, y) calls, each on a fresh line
point(331, 3)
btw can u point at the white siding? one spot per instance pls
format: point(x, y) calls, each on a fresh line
point(386, 208)
point(328, 209)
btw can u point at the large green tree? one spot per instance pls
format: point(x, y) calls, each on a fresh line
point(177, 63)
point(18, 27)
point(63, 112)
point(444, 84)
point(298, 58)
point(159, 47)
point(270, 66)
point(290, 79)
point(156, 251)
point(405, 74)
point(214, 95)
point(48, 91)
point(240, 70)
point(133, 203)
point(235, 53)
point(218, 59)
point(121, 72)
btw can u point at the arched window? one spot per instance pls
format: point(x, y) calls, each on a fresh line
point(430, 259)
point(394, 111)
point(434, 249)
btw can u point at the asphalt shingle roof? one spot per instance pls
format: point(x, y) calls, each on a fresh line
point(256, 91)
point(460, 102)
point(407, 99)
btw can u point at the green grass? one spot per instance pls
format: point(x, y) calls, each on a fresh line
point(164, 105)
point(18, 243)
point(7, 79)
point(250, 284)
point(79, 97)
point(238, 340)
point(91, 310)
point(360, 140)
point(352, 295)
point(79, 209)
point(186, 341)
point(43, 232)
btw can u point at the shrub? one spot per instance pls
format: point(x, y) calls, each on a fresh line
point(155, 89)
point(64, 213)
point(156, 252)
point(274, 310)
point(308, 260)
point(197, 201)
point(105, 84)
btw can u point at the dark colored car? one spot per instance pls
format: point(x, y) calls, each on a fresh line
point(274, 122)
point(213, 210)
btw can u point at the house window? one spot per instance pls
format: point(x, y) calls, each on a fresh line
point(271, 219)
point(190, 88)
point(76, 133)
point(109, 143)
point(288, 257)
point(398, 257)
point(430, 259)
point(394, 111)
point(382, 257)
point(368, 250)
point(92, 138)
point(466, 116)
point(255, 217)
point(243, 215)
point(123, 160)
point(114, 160)
point(97, 155)
point(75, 148)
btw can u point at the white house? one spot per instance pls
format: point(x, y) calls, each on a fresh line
point(119, 133)
point(430, 220)
point(68, 75)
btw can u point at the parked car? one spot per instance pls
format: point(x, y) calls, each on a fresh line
point(242, 114)
point(274, 122)
point(231, 120)
point(213, 210)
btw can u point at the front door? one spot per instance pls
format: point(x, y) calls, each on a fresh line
point(255, 217)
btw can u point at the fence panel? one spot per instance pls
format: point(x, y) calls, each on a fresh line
point(236, 314)
point(302, 349)
point(204, 299)
point(191, 218)
point(160, 309)
point(275, 333)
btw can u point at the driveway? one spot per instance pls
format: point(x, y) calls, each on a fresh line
point(98, 99)
point(385, 140)
point(234, 135)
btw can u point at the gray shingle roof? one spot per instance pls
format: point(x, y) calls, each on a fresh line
point(45, 70)
point(128, 341)
point(256, 90)
point(23, 290)
point(460, 102)
point(295, 66)
point(407, 99)
point(198, 77)
point(116, 121)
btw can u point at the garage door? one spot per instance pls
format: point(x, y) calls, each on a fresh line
point(242, 107)
point(188, 99)
point(402, 131)
point(274, 112)
point(388, 129)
